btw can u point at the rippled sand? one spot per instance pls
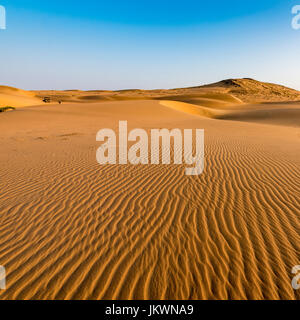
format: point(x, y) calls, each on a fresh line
point(72, 229)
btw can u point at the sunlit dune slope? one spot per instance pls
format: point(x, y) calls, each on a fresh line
point(284, 114)
point(10, 96)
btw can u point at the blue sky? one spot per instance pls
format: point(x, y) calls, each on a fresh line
point(120, 44)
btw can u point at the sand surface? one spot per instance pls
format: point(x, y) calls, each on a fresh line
point(72, 229)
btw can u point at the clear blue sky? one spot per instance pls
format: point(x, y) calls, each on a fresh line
point(119, 44)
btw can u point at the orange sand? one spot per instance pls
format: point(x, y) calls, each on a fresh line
point(72, 229)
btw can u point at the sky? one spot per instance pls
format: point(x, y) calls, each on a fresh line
point(147, 44)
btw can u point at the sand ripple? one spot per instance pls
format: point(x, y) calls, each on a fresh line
point(70, 229)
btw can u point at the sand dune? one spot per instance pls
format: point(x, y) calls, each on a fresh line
point(72, 229)
point(211, 100)
point(283, 114)
point(250, 90)
point(10, 96)
point(220, 95)
point(190, 108)
point(230, 92)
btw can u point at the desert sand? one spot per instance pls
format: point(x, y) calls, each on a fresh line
point(72, 229)
point(17, 98)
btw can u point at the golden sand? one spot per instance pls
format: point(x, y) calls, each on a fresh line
point(72, 229)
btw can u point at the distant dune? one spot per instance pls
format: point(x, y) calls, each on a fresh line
point(250, 90)
point(17, 98)
point(231, 91)
point(217, 95)
point(72, 229)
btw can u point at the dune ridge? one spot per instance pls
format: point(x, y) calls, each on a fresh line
point(282, 114)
